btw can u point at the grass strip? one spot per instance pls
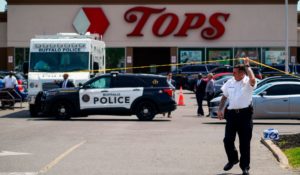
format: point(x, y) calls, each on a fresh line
point(293, 155)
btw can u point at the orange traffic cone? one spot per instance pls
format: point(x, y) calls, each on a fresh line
point(180, 98)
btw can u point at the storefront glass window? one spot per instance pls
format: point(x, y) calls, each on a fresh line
point(21, 55)
point(191, 55)
point(273, 56)
point(115, 59)
point(219, 56)
point(252, 53)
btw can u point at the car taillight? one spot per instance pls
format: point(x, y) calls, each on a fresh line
point(20, 88)
point(168, 91)
point(259, 76)
point(19, 82)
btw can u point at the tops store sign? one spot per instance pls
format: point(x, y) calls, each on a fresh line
point(166, 23)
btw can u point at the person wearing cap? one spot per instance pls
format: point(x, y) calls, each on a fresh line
point(10, 81)
point(209, 90)
point(200, 93)
point(66, 83)
point(238, 91)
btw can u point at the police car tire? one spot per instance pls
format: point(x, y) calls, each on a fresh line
point(66, 107)
point(145, 111)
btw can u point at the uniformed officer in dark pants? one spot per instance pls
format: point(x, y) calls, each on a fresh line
point(238, 115)
point(200, 93)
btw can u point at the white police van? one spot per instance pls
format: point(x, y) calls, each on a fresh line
point(81, 56)
point(112, 94)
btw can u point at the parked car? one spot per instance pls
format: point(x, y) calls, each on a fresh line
point(222, 75)
point(185, 75)
point(229, 69)
point(222, 69)
point(276, 79)
point(219, 83)
point(275, 100)
point(275, 70)
point(257, 73)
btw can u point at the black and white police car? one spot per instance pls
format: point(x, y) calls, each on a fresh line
point(112, 94)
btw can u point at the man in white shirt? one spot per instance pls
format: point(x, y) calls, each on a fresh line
point(10, 81)
point(238, 115)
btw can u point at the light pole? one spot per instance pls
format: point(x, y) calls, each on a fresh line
point(286, 36)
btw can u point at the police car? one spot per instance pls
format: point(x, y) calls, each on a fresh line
point(112, 94)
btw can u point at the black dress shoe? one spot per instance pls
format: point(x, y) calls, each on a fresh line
point(246, 172)
point(229, 165)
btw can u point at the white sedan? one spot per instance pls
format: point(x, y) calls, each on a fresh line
point(277, 100)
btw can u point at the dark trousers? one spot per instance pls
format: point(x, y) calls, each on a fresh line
point(238, 122)
point(199, 97)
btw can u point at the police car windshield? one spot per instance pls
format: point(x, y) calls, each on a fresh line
point(58, 61)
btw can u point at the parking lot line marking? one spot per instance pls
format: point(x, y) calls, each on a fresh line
point(10, 153)
point(60, 157)
point(19, 173)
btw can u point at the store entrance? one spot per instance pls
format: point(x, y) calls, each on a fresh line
point(151, 56)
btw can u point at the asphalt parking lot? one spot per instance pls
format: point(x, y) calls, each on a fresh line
point(185, 144)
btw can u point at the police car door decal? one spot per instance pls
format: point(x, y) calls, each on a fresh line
point(108, 97)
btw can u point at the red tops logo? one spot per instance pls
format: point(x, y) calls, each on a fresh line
point(92, 20)
point(192, 21)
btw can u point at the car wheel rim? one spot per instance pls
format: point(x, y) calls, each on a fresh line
point(62, 110)
point(145, 111)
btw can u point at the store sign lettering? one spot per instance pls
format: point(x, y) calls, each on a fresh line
point(170, 20)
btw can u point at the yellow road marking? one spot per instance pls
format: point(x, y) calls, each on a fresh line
point(60, 157)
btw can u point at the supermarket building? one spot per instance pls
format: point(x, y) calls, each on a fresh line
point(152, 32)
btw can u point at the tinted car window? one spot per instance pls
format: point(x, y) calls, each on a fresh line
point(294, 89)
point(199, 68)
point(282, 89)
point(127, 81)
point(103, 82)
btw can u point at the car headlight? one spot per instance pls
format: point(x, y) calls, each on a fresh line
point(33, 85)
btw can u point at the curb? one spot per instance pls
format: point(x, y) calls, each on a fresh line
point(279, 155)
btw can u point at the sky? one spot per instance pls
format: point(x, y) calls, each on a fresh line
point(3, 3)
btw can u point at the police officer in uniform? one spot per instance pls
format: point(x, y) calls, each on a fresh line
point(238, 91)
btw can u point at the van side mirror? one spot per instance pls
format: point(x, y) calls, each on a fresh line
point(263, 93)
point(80, 84)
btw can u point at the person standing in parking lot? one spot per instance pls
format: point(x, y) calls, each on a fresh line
point(200, 93)
point(238, 91)
point(209, 90)
point(172, 85)
point(10, 81)
point(66, 83)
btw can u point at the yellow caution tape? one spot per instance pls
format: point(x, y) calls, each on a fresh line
point(194, 63)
